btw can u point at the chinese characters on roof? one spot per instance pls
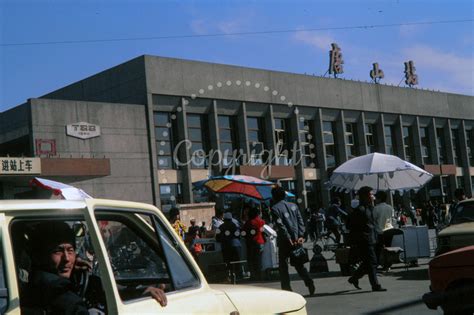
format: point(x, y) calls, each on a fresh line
point(411, 78)
point(376, 73)
point(335, 60)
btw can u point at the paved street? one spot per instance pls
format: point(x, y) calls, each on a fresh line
point(335, 296)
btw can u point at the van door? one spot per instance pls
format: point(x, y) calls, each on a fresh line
point(9, 300)
point(141, 250)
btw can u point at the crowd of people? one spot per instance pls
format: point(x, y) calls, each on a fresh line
point(362, 222)
point(54, 245)
point(331, 221)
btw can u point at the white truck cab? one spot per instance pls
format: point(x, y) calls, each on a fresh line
point(131, 246)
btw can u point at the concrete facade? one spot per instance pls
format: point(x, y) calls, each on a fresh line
point(123, 142)
point(123, 100)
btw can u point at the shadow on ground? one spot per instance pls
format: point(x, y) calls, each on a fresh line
point(410, 274)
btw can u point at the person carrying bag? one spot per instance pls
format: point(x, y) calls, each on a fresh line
point(290, 232)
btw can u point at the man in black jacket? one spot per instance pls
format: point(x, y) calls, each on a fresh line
point(50, 289)
point(362, 238)
point(290, 232)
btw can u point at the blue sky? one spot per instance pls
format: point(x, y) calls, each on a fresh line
point(443, 53)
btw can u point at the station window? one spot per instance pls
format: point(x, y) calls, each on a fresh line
point(307, 143)
point(440, 145)
point(256, 139)
point(425, 146)
point(408, 143)
point(329, 144)
point(164, 135)
point(282, 150)
point(170, 196)
point(371, 138)
point(456, 147)
point(389, 141)
point(197, 127)
point(228, 139)
point(351, 136)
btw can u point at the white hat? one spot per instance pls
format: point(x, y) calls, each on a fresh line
point(228, 216)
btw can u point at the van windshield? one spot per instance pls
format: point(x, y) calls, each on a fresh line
point(463, 213)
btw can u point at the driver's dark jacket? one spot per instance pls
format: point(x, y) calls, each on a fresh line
point(48, 293)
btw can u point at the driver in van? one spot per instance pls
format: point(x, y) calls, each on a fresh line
point(51, 288)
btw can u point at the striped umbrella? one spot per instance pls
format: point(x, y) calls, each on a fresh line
point(239, 184)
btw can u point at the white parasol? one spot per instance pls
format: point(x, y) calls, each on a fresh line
point(379, 171)
point(66, 191)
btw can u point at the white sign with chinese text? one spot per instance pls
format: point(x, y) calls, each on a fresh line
point(19, 166)
point(83, 130)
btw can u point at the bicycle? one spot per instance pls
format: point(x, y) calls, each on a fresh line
point(326, 243)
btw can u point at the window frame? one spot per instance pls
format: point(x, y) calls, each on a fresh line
point(115, 211)
point(204, 139)
point(228, 160)
point(171, 137)
point(256, 158)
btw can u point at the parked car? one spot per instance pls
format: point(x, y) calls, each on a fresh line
point(452, 282)
point(460, 231)
point(131, 246)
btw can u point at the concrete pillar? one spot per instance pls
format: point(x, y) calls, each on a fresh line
point(417, 151)
point(465, 159)
point(184, 153)
point(448, 140)
point(417, 148)
point(341, 143)
point(340, 139)
point(399, 141)
point(270, 141)
point(299, 167)
point(380, 134)
point(321, 155)
point(361, 138)
point(432, 136)
point(243, 134)
point(216, 158)
point(150, 124)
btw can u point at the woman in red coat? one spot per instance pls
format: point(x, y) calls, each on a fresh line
point(253, 228)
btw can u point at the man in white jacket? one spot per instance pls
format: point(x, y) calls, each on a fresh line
point(383, 214)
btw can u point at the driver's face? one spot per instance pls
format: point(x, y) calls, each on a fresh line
point(62, 259)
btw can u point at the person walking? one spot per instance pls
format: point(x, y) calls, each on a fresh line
point(333, 223)
point(255, 241)
point(362, 239)
point(290, 231)
point(176, 223)
point(228, 234)
point(383, 214)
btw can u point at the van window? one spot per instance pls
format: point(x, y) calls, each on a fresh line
point(142, 254)
point(36, 245)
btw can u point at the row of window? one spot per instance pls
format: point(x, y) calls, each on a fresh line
point(167, 139)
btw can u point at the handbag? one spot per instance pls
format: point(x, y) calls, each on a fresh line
point(298, 256)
